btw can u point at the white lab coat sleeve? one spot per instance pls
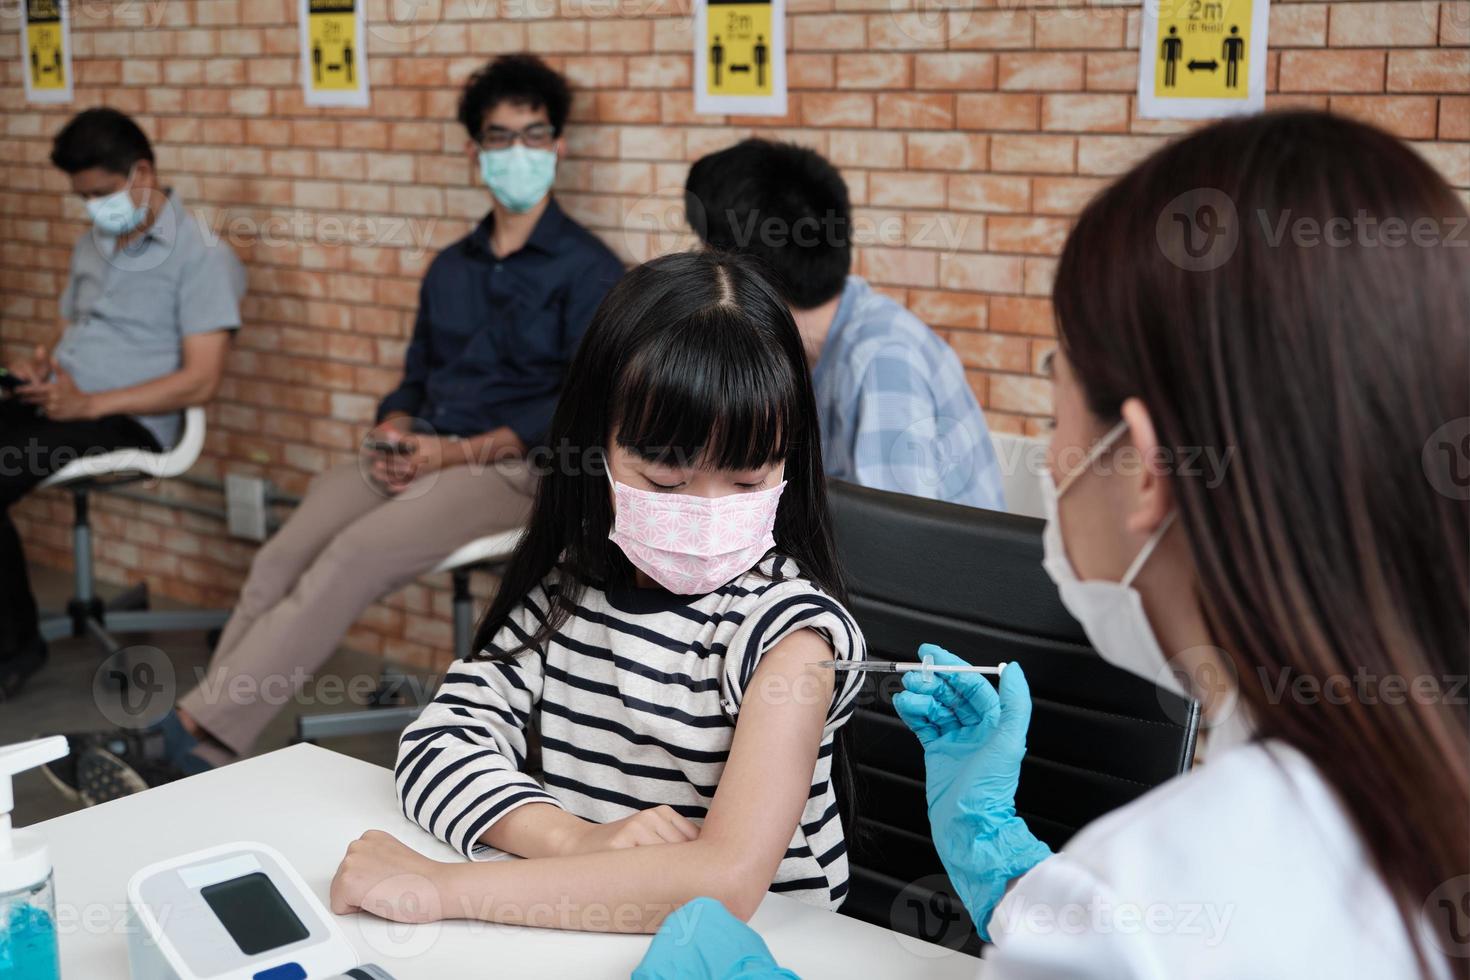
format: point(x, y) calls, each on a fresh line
point(1062, 920)
point(461, 764)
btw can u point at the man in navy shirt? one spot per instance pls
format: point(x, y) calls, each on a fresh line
point(500, 315)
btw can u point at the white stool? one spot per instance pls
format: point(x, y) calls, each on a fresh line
point(1021, 459)
point(128, 613)
point(385, 714)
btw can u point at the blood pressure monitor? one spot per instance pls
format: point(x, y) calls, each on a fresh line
point(234, 912)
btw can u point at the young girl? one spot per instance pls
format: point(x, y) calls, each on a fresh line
point(660, 626)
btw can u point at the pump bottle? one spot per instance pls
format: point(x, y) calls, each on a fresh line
point(28, 949)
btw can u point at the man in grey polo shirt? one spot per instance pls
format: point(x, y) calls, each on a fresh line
point(148, 309)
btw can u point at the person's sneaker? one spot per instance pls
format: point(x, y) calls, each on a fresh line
point(142, 747)
point(103, 776)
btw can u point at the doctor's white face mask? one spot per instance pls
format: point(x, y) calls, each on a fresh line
point(1111, 613)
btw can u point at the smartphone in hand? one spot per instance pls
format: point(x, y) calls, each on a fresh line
point(387, 448)
point(8, 381)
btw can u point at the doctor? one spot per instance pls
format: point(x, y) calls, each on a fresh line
point(1258, 287)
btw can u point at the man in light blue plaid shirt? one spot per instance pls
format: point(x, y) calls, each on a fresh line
point(896, 411)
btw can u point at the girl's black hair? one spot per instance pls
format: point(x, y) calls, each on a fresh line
point(692, 359)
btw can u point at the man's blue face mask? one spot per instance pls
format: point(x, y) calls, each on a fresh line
point(519, 177)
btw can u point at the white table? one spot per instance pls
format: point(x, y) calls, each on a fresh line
point(309, 803)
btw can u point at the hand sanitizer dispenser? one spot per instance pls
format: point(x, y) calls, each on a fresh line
point(27, 900)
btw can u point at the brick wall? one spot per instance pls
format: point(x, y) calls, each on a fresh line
point(969, 135)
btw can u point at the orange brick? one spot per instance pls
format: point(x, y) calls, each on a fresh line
point(1454, 119)
point(900, 266)
point(946, 151)
point(660, 71)
point(1014, 153)
point(981, 273)
point(1033, 236)
point(1085, 113)
point(865, 148)
point(1406, 116)
point(557, 36)
point(1446, 70)
point(906, 190)
point(1107, 155)
point(1081, 27)
point(949, 308)
point(650, 143)
point(1039, 274)
point(964, 70)
point(1020, 393)
point(836, 109)
point(1112, 72)
point(1454, 23)
point(991, 351)
point(628, 107)
point(990, 193)
point(881, 71)
point(915, 110)
point(610, 34)
point(990, 29)
point(1298, 25)
point(1040, 72)
point(1332, 71)
point(1402, 23)
point(1021, 314)
point(810, 71)
point(905, 30)
point(829, 32)
point(316, 133)
point(1064, 195)
point(985, 110)
point(593, 73)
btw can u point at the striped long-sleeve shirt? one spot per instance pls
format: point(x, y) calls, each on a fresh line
point(636, 697)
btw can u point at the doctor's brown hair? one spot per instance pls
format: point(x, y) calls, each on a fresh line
point(1336, 544)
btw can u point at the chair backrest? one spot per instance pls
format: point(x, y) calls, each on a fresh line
point(921, 571)
point(139, 462)
point(1020, 459)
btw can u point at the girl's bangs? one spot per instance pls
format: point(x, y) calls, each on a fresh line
point(709, 395)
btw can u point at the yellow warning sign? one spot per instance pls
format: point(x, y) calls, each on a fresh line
point(1202, 49)
point(332, 56)
point(739, 48)
point(1207, 52)
point(47, 60)
point(740, 57)
point(334, 51)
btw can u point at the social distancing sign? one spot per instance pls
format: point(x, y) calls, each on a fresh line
point(1202, 58)
point(333, 56)
point(740, 57)
point(46, 50)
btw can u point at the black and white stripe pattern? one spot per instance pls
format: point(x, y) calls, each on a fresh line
point(637, 696)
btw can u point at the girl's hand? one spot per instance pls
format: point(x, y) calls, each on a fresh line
point(659, 825)
point(391, 880)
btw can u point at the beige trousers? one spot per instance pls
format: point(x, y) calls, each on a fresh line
point(347, 545)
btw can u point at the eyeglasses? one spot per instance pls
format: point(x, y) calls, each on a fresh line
point(537, 136)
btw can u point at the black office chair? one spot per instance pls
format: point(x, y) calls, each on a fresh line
point(971, 581)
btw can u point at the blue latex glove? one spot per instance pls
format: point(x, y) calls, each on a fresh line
point(973, 743)
point(703, 941)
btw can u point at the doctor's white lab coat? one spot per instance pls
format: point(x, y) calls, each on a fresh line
point(1245, 869)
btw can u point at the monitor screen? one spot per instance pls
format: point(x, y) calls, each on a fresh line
point(254, 913)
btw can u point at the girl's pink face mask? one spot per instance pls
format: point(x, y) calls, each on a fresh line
point(693, 545)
